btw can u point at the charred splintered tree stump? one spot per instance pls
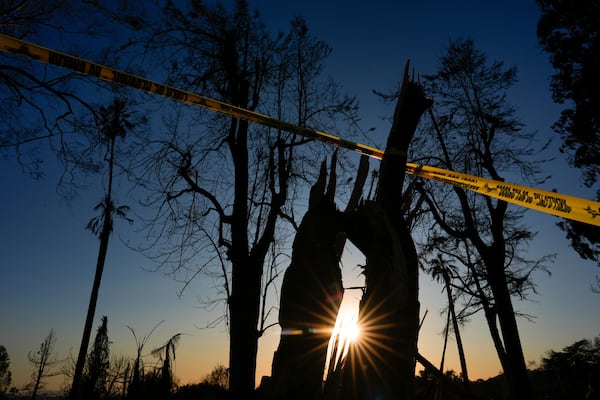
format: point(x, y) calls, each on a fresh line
point(381, 365)
point(311, 295)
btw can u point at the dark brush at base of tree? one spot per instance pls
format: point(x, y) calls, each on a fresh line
point(5, 374)
point(94, 378)
point(573, 372)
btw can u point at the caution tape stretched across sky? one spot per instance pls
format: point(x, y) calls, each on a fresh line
point(557, 204)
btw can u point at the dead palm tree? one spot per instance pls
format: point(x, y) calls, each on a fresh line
point(135, 389)
point(113, 122)
point(166, 353)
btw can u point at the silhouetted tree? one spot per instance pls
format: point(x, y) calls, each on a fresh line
point(117, 377)
point(136, 386)
point(311, 294)
point(222, 189)
point(213, 386)
point(44, 360)
point(5, 374)
point(219, 376)
point(474, 130)
point(575, 370)
point(440, 269)
point(95, 375)
point(166, 354)
point(114, 122)
point(567, 30)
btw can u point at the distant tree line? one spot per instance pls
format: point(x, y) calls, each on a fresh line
point(571, 373)
point(107, 376)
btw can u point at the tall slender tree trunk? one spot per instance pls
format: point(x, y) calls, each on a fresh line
point(247, 267)
point(244, 308)
point(518, 377)
point(38, 379)
point(490, 317)
point(440, 379)
point(459, 344)
point(247, 260)
point(102, 251)
point(493, 256)
point(246, 276)
point(89, 319)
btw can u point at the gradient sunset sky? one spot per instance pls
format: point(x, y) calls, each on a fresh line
point(47, 259)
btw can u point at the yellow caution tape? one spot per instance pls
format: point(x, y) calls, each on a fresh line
point(561, 205)
point(39, 53)
point(565, 206)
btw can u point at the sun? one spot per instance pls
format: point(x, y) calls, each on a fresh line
point(348, 329)
point(345, 332)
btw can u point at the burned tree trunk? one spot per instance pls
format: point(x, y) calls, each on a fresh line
point(382, 363)
point(311, 295)
point(312, 291)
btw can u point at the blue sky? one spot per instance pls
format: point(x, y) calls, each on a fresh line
point(47, 259)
